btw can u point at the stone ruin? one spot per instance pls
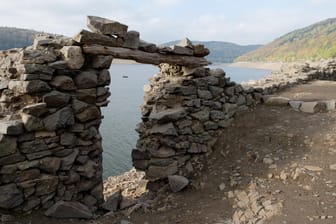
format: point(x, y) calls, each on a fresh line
point(50, 99)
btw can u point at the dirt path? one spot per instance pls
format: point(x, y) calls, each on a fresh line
point(281, 154)
point(274, 165)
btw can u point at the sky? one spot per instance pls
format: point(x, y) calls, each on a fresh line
point(160, 21)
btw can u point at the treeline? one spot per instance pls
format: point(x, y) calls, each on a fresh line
point(315, 42)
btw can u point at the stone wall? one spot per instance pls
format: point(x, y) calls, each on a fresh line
point(183, 114)
point(50, 99)
point(50, 146)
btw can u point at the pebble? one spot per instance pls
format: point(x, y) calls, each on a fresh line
point(332, 167)
point(268, 161)
point(221, 187)
point(313, 168)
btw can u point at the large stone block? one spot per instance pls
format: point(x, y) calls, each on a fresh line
point(38, 109)
point(63, 82)
point(11, 127)
point(10, 196)
point(86, 80)
point(132, 40)
point(73, 56)
point(106, 26)
point(168, 115)
point(56, 99)
point(161, 172)
point(8, 145)
point(60, 119)
point(69, 209)
point(33, 86)
point(31, 123)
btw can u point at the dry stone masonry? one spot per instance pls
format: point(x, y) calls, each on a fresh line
point(50, 99)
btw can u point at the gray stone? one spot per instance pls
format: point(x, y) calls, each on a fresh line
point(210, 125)
point(50, 164)
point(31, 56)
point(185, 42)
point(217, 115)
point(204, 94)
point(164, 129)
point(10, 196)
point(12, 127)
point(160, 172)
point(147, 47)
point(25, 175)
point(87, 95)
point(132, 39)
point(86, 80)
point(177, 183)
point(68, 139)
point(218, 72)
point(38, 155)
point(46, 184)
point(200, 50)
point(88, 170)
point(31, 123)
point(101, 61)
point(33, 146)
point(60, 119)
point(90, 113)
point(87, 37)
point(59, 64)
point(101, 91)
point(112, 202)
point(56, 99)
point(330, 105)
point(295, 104)
point(63, 82)
point(308, 107)
point(68, 161)
point(106, 26)
point(33, 86)
point(68, 209)
point(35, 68)
point(73, 56)
point(202, 115)
point(79, 106)
point(197, 148)
point(276, 101)
point(229, 91)
point(168, 115)
point(30, 204)
point(8, 145)
point(216, 91)
point(37, 110)
point(11, 159)
point(181, 50)
point(163, 152)
point(27, 77)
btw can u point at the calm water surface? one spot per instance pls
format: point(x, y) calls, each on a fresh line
point(123, 112)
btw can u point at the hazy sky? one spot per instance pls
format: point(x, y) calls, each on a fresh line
point(158, 21)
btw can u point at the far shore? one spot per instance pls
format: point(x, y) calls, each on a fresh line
point(273, 66)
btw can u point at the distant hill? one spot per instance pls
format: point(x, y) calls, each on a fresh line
point(222, 52)
point(14, 37)
point(314, 42)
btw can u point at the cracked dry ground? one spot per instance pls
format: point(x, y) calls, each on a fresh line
point(274, 165)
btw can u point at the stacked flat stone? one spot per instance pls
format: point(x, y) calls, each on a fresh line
point(294, 74)
point(50, 146)
point(183, 115)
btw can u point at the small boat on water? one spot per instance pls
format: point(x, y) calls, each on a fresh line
point(125, 76)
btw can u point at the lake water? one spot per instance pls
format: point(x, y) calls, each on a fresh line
point(123, 112)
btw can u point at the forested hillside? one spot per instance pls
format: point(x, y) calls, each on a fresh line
point(317, 41)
